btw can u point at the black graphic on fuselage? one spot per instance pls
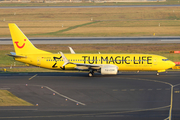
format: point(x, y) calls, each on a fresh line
point(55, 59)
point(117, 59)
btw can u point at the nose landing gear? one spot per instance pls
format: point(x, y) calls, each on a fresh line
point(157, 73)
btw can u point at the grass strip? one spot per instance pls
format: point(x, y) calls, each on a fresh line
point(68, 29)
point(8, 99)
point(168, 2)
point(76, 22)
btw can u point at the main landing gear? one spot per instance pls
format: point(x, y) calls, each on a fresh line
point(91, 73)
point(157, 74)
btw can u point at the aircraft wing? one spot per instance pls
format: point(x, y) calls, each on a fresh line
point(81, 66)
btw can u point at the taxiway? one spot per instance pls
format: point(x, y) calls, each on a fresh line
point(127, 96)
point(97, 40)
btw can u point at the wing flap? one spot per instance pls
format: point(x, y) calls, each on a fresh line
point(81, 66)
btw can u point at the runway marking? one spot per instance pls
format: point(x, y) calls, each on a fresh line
point(137, 110)
point(103, 113)
point(33, 76)
point(124, 90)
point(5, 88)
point(172, 87)
point(17, 109)
point(66, 97)
point(115, 89)
point(71, 115)
point(170, 112)
point(176, 91)
point(158, 89)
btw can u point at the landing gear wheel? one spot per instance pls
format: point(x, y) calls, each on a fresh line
point(157, 74)
point(90, 74)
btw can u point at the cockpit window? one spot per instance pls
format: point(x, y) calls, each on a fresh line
point(165, 59)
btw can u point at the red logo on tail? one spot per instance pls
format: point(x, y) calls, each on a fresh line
point(20, 46)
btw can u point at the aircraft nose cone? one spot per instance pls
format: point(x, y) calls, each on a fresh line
point(172, 64)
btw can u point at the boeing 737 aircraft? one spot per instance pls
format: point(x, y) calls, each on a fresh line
point(106, 64)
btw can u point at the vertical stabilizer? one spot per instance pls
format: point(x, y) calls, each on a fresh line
point(21, 43)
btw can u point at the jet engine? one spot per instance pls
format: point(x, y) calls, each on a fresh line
point(109, 70)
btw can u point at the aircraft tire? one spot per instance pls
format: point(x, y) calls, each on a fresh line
point(90, 74)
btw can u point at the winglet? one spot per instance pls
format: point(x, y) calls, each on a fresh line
point(71, 50)
point(66, 61)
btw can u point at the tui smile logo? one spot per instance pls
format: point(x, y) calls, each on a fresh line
point(18, 45)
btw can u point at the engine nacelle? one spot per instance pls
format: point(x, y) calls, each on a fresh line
point(109, 70)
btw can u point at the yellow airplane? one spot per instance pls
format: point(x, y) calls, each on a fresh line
point(106, 64)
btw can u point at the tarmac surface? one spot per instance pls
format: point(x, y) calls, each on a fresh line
point(126, 96)
point(97, 40)
point(105, 6)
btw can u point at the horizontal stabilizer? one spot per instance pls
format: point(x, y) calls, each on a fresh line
point(13, 54)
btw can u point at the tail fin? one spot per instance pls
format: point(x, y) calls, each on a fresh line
point(21, 43)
